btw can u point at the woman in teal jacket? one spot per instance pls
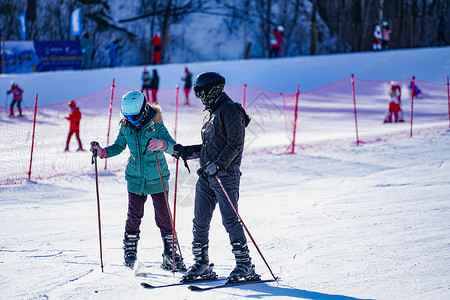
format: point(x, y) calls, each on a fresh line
point(143, 131)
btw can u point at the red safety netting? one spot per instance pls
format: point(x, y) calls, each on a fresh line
point(334, 113)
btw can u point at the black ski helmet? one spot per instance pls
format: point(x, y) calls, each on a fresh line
point(208, 86)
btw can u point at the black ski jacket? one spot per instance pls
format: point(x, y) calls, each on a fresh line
point(223, 134)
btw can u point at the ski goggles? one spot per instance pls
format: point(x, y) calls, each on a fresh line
point(199, 92)
point(133, 118)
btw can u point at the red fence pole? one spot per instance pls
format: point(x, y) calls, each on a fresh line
point(291, 148)
point(245, 95)
point(412, 105)
point(110, 114)
point(176, 113)
point(32, 139)
point(448, 99)
point(354, 108)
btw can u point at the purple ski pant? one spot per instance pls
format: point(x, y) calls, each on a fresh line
point(136, 212)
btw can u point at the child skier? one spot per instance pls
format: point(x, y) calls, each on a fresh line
point(377, 36)
point(74, 118)
point(146, 78)
point(143, 131)
point(417, 91)
point(395, 109)
point(17, 98)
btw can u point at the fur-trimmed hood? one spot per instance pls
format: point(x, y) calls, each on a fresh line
point(158, 113)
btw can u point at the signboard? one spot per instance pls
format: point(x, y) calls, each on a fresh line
point(58, 55)
point(29, 56)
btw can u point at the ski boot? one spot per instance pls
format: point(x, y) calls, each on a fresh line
point(130, 246)
point(167, 263)
point(201, 269)
point(244, 270)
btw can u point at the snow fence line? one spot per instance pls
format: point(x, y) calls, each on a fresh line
point(347, 111)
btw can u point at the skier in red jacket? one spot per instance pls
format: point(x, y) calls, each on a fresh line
point(157, 45)
point(74, 118)
point(17, 98)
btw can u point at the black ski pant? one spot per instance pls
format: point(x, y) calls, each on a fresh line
point(208, 193)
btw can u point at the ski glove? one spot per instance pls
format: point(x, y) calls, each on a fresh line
point(212, 168)
point(100, 151)
point(179, 151)
point(155, 144)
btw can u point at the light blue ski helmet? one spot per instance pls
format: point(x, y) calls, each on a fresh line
point(132, 103)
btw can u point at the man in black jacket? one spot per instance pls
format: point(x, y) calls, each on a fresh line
point(220, 154)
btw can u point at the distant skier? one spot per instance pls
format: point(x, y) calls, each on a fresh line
point(223, 135)
point(276, 41)
point(74, 118)
point(143, 131)
point(86, 50)
point(146, 79)
point(112, 49)
point(157, 47)
point(17, 98)
point(395, 109)
point(154, 86)
point(377, 36)
point(187, 84)
point(386, 35)
point(417, 91)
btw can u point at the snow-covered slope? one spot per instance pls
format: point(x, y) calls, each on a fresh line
point(335, 221)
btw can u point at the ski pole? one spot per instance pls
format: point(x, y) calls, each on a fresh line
point(174, 233)
point(174, 212)
point(94, 161)
point(243, 224)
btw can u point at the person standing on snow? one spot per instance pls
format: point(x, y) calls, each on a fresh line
point(112, 48)
point(157, 47)
point(276, 41)
point(17, 98)
point(154, 85)
point(395, 109)
point(386, 32)
point(143, 131)
point(187, 84)
point(86, 50)
point(74, 118)
point(377, 36)
point(146, 78)
point(223, 135)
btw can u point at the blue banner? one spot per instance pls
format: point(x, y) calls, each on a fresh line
point(75, 22)
point(58, 55)
point(23, 27)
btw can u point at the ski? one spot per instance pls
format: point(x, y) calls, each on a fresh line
point(149, 286)
point(199, 288)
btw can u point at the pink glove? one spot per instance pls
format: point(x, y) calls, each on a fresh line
point(156, 144)
point(100, 151)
